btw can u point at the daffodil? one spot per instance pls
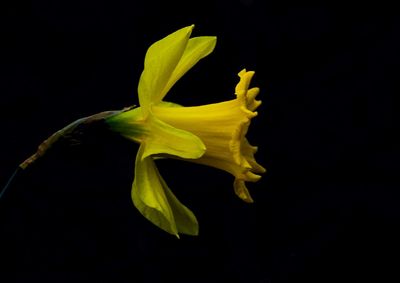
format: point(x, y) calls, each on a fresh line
point(212, 134)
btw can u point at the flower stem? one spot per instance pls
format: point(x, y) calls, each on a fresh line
point(71, 132)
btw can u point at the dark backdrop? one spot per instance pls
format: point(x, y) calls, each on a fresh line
point(327, 209)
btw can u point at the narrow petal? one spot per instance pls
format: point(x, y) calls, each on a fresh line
point(161, 60)
point(185, 220)
point(156, 202)
point(196, 49)
point(165, 139)
point(148, 195)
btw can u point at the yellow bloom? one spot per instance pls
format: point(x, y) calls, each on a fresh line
point(211, 134)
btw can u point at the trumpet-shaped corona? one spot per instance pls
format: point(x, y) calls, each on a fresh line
point(212, 135)
point(222, 127)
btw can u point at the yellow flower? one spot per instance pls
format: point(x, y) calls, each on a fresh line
point(211, 134)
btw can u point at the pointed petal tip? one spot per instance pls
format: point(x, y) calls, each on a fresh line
point(246, 198)
point(189, 28)
point(241, 191)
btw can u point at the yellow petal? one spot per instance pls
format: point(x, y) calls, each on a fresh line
point(156, 202)
point(185, 220)
point(161, 60)
point(165, 139)
point(148, 195)
point(196, 49)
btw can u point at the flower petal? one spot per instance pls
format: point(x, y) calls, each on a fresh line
point(196, 49)
point(156, 202)
point(148, 195)
point(165, 139)
point(161, 60)
point(185, 220)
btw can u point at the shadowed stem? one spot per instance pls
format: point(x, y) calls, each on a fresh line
point(71, 132)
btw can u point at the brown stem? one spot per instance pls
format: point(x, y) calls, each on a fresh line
point(67, 132)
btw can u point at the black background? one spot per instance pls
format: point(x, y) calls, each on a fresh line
point(327, 209)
